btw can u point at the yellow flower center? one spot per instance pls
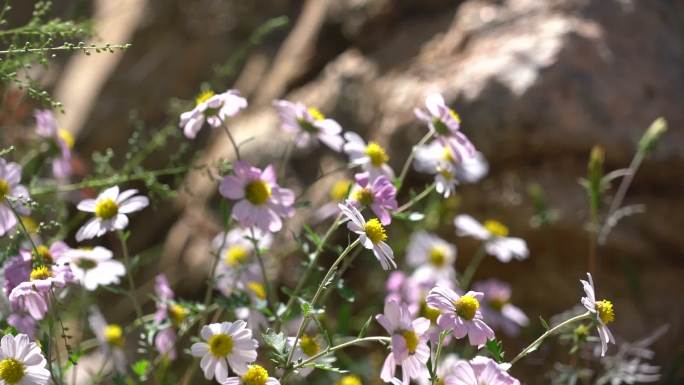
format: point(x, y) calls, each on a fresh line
point(113, 334)
point(236, 255)
point(66, 137)
point(411, 339)
point(446, 173)
point(316, 113)
point(42, 253)
point(581, 331)
point(429, 312)
point(349, 379)
point(340, 189)
point(4, 189)
point(30, 224)
point(203, 97)
point(11, 371)
point(437, 256)
point(309, 345)
point(497, 303)
point(86, 264)
point(177, 313)
point(455, 115)
point(447, 155)
point(255, 375)
point(41, 272)
point(257, 288)
point(377, 154)
point(495, 227)
point(106, 209)
point(220, 345)
point(604, 308)
point(375, 231)
point(466, 307)
point(257, 192)
point(363, 196)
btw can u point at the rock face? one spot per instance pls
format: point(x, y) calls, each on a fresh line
point(537, 83)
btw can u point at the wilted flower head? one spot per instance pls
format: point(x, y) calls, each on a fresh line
point(308, 124)
point(261, 201)
point(212, 108)
point(461, 314)
point(371, 157)
point(371, 235)
point(409, 342)
point(379, 194)
point(495, 236)
point(497, 309)
point(603, 311)
point(11, 193)
point(110, 209)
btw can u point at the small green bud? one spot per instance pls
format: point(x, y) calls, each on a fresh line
point(652, 134)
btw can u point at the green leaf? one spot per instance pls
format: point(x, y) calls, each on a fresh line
point(544, 323)
point(364, 328)
point(140, 368)
point(328, 368)
point(495, 348)
point(276, 341)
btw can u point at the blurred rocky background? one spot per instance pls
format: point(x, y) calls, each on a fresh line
point(536, 82)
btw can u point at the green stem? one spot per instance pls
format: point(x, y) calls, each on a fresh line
point(109, 181)
point(472, 267)
point(534, 345)
point(314, 301)
point(440, 344)
point(423, 194)
point(23, 227)
point(338, 347)
point(270, 295)
point(129, 275)
point(65, 47)
point(407, 164)
point(232, 141)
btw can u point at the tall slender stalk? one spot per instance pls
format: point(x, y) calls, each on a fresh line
point(129, 275)
point(533, 346)
point(271, 297)
point(472, 267)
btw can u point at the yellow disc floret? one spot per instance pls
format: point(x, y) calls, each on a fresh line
point(113, 334)
point(429, 312)
point(4, 189)
point(106, 208)
point(454, 115)
point(315, 113)
point(411, 339)
point(42, 254)
point(177, 313)
point(438, 256)
point(466, 307)
point(257, 192)
point(497, 228)
point(41, 272)
point(349, 379)
point(236, 255)
point(363, 196)
point(339, 190)
point(375, 231)
point(204, 96)
point(258, 289)
point(255, 375)
point(66, 137)
point(309, 345)
point(11, 371)
point(605, 311)
point(377, 154)
point(220, 345)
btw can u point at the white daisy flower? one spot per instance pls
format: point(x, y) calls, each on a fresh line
point(371, 235)
point(110, 208)
point(432, 256)
point(603, 310)
point(95, 267)
point(111, 339)
point(436, 159)
point(21, 362)
point(236, 252)
point(227, 344)
point(495, 236)
point(309, 125)
point(255, 375)
point(212, 108)
point(371, 157)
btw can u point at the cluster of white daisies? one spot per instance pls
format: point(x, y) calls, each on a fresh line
point(431, 307)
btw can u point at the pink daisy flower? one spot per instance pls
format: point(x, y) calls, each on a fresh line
point(446, 124)
point(409, 342)
point(461, 314)
point(261, 202)
point(371, 235)
point(370, 156)
point(603, 311)
point(498, 310)
point(167, 310)
point(213, 109)
point(478, 371)
point(308, 124)
point(14, 193)
point(379, 194)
